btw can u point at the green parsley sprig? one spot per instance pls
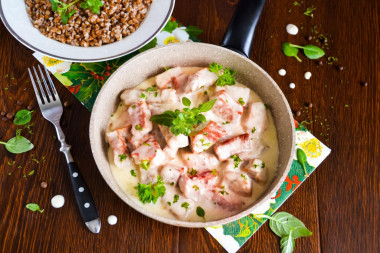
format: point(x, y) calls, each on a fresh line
point(184, 122)
point(149, 193)
point(65, 10)
point(225, 75)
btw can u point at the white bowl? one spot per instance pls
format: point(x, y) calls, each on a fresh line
point(16, 19)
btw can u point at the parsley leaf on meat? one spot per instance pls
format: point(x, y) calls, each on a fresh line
point(151, 192)
point(225, 77)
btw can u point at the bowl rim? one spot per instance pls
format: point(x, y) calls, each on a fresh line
point(119, 192)
point(35, 49)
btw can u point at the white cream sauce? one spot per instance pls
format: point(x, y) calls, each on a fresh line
point(127, 182)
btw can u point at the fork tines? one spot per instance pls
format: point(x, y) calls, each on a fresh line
point(43, 95)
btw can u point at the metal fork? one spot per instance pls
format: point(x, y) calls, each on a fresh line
point(51, 109)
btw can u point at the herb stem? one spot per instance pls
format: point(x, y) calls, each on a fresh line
point(293, 45)
point(304, 169)
point(298, 59)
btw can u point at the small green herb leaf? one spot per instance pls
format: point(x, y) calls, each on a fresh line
point(241, 101)
point(18, 144)
point(122, 157)
point(313, 52)
point(93, 5)
point(287, 243)
point(302, 159)
point(290, 51)
point(185, 205)
point(34, 207)
point(186, 101)
point(133, 173)
point(200, 212)
point(207, 106)
point(22, 117)
point(176, 198)
point(138, 127)
point(145, 164)
point(282, 223)
point(236, 160)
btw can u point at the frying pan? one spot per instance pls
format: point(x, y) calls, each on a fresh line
point(233, 53)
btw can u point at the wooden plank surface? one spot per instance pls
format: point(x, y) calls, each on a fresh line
point(339, 203)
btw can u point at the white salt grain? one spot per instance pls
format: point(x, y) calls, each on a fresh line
point(58, 201)
point(292, 29)
point(112, 219)
point(292, 85)
point(307, 75)
point(282, 72)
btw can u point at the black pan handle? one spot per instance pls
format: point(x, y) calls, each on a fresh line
point(239, 34)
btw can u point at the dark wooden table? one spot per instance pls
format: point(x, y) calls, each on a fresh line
point(339, 203)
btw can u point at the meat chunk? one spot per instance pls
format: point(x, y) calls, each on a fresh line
point(196, 187)
point(120, 120)
point(176, 205)
point(170, 173)
point(200, 78)
point(131, 96)
point(235, 145)
point(140, 118)
point(207, 137)
point(226, 107)
point(256, 120)
point(238, 183)
point(170, 152)
point(167, 96)
point(118, 143)
point(257, 171)
point(200, 162)
point(165, 79)
point(238, 93)
point(174, 141)
point(148, 176)
point(149, 154)
point(228, 201)
point(179, 82)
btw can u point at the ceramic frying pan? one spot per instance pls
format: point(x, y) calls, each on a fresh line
point(233, 53)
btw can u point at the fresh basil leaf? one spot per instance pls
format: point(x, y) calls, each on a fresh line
point(22, 117)
point(287, 243)
point(302, 159)
point(290, 51)
point(18, 144)
point(207, 106)
point(201, 118)
point(186, 101)
point(34, 207)
point(313, 52)
point(282, 223)
point(200, 212)
point(165, 119)
point(193, 31)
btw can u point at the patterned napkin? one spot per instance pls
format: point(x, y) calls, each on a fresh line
point(84, 81)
